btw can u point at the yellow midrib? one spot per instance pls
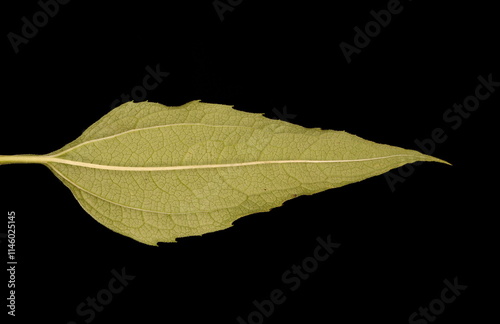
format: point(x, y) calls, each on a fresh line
point(49, 159)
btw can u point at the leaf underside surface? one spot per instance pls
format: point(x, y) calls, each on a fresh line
point(157, 173)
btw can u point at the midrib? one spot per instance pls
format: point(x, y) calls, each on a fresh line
point(49, 159)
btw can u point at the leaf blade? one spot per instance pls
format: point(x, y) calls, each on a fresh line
point(157, 173)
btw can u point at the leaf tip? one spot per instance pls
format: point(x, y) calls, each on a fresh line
point(430, 158)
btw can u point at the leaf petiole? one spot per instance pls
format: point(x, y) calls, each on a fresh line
point(22, 158)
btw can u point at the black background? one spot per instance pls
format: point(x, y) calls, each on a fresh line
point(397, 246)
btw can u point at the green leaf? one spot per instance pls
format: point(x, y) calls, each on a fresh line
point(157, 173)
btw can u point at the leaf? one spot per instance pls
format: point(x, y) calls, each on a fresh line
point(157, 173)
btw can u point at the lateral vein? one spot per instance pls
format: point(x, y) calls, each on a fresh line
point(138, 130)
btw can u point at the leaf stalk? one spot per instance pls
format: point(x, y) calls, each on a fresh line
point(21, 159)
